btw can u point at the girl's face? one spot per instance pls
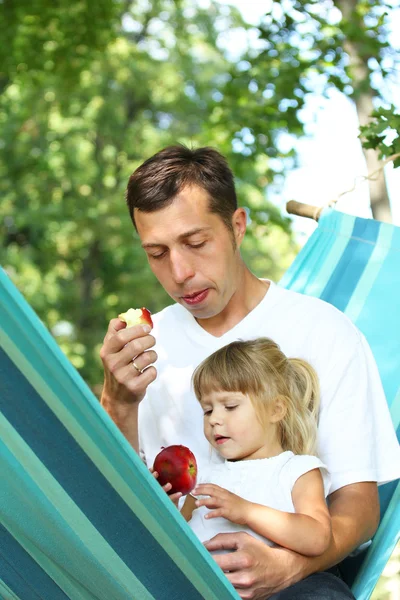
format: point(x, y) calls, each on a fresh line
point(232, 427)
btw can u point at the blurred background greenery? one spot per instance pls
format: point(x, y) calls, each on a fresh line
point(88, 90)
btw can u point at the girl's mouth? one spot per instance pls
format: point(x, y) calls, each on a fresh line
point(220, 439)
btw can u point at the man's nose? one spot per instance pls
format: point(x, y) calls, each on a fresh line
point(181, 267)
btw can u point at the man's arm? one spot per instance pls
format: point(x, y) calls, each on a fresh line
point(125, 386)
point(354, 511)
point(258, 571)
point(125, 416)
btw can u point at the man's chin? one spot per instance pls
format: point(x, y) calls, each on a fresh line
point(201, 314)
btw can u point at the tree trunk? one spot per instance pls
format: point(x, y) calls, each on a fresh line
point(363, 98)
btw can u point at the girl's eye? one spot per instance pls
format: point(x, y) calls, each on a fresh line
point(231, 407)
point(207, 412)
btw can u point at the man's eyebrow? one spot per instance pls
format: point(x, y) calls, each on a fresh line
point(183, 236)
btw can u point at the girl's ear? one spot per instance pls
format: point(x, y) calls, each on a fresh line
point(278, 409)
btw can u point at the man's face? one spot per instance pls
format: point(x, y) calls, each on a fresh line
point(192, 252)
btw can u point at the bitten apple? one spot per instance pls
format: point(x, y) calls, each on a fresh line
point(137, 316)
point(176, 465)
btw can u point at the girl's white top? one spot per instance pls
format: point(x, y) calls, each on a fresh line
point(267, 481)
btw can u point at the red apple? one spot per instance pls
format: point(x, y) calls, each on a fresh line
point(136, 316)
point(176, 465)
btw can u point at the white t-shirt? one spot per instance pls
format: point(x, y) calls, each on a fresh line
point(266, 481)
point(356, 438)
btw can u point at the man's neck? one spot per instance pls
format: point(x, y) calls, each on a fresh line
point(249, 293)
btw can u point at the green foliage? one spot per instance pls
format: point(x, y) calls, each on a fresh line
point(308, 46)
point(382, 133)
point(74, 125)
point(89, 90)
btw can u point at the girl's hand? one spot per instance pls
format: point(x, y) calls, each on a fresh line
point(224, 503)
point(174, 497)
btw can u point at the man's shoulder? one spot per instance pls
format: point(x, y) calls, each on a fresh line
point(315, 312)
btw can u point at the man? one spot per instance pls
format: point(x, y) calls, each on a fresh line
point(183, 205)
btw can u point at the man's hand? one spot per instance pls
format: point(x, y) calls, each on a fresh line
point(224, 503)
point(256, 570)
point(128, 370)
point(122, 347)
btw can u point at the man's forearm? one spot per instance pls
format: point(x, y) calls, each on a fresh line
point(125, 416)
point(354, 511)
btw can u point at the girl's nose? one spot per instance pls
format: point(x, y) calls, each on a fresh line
point(215, 418)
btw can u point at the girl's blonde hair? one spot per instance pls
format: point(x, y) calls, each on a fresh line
point(259, 369)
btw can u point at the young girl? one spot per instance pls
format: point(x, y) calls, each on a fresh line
point(260, 414)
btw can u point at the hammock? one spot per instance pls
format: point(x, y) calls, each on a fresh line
point(81, 516)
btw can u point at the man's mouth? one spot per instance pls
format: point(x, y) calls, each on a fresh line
point(196, 297)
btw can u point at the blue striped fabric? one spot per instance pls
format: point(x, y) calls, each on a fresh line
point(81, 516)
point(354, 264)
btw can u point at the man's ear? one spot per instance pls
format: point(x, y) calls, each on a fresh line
point(278, 409)
point(239, 223)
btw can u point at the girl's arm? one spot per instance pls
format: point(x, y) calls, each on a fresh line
point(308, 530)
point(188, 507)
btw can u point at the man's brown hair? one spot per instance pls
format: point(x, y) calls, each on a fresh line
point(161, 177)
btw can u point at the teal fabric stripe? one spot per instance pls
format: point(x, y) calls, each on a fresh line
point(22, 574)
point(371, 272)
point(384, 542)
point(395, 413)
point(379, 319)
point(84, 566)
point(365, 282)
point(312, 268)
point(6, 593)
point(33, 349)
point(136, 495)
point(52, 444)
point(352, 263)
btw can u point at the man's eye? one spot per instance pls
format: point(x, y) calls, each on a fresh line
point(156, 256)
point(198, 245)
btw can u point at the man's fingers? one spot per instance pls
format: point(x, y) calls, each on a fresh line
point(114, 326)
point(223, 541)
point(139, 383)
point(231, 562)
point(116, 354)
point(145, 359)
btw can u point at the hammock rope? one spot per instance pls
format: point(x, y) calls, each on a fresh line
point(310, 211)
